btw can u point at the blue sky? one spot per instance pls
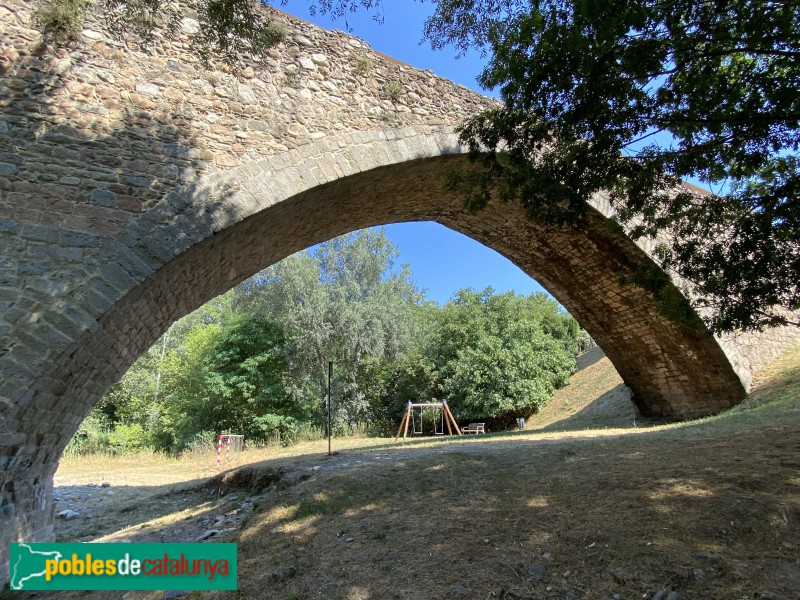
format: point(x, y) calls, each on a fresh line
point(443, 261)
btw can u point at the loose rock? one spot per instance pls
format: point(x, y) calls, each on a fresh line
point(207, 534)
point(537, 571)
point(666, 595)
point(284, 572)
point(620, 575)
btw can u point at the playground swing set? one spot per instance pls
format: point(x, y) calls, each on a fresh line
point(413, 417)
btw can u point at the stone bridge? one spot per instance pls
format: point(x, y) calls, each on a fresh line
point(135, 186)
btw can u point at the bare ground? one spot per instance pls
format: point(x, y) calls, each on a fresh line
point(702, 510)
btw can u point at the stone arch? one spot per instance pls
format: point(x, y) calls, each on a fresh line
point(124, 204)
point(221, 229)
point(199, 242)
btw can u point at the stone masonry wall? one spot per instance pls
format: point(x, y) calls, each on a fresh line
point(134, 186)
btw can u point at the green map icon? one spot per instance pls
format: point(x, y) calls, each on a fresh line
point(28, 564)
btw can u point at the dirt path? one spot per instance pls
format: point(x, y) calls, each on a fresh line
point(218, 506)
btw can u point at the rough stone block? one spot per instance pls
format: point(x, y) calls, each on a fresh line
point(8, 170)
point(104, 198)
point(72, 238)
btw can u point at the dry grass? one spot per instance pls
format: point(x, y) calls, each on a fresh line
point(710, 509)
point(706, 513)
point(595, 398)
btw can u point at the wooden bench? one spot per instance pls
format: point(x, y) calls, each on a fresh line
point(474, 428)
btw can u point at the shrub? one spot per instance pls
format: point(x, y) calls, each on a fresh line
point(364, 65)
point(128, 438)
point(395, 90)
point(92, 437)
point(275, 32)
point(60, 21)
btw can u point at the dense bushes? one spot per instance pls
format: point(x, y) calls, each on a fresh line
point(493, 357)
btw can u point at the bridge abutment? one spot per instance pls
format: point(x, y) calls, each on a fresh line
point(26, 507)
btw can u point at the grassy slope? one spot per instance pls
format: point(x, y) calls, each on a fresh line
point(710, 508)
point(594, 398)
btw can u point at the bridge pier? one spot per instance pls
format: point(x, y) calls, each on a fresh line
point(26, 507)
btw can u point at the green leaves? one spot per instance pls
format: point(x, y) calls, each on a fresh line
point(494, 357)
point(231, 379)
point(254, 361)
point(61, 20)
point(632, 96)
point(346, 302)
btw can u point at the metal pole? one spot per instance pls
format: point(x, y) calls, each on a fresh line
point(330, 376)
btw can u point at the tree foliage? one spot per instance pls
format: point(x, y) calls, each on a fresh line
point(493, 357)
point(502, 356)
point(236, 381)
point(345, 302)
point(630, 96)
point(254, 360)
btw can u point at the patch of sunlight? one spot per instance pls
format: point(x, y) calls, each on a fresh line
point(358, 593)
point(280, 513)
point(538, 538)
point(439, 467)
point(281, 519)
point(682, 489)
point(538, 502)
point(168, 519)
point(298, 526)
point(354, 512)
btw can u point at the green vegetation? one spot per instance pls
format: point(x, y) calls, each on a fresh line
point(364, 65)
point(254, 361)
point(394, 90)
point(632, 97)
point(493, 357)
point(61, 20)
